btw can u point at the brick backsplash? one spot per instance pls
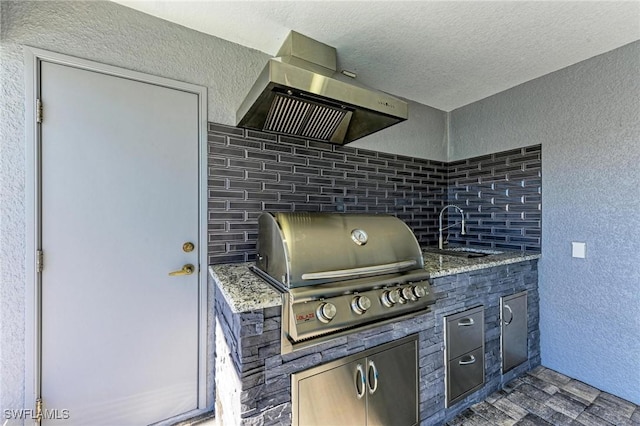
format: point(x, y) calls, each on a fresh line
point(501, 196)
point(251, 172)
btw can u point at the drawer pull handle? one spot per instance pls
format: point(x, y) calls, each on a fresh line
point(466, 322)
point(471, 360)
point(507, 307)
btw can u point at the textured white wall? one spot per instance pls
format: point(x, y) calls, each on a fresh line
point(112, 34)
point(587, 118)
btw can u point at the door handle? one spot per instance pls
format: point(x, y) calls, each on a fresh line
point(359, 380)
point(507, 307)
point(186, 270)
point(372, 369)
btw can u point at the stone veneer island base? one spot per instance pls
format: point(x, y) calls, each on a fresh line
point(253, 379)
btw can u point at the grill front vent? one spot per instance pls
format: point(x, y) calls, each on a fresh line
point(302, 118)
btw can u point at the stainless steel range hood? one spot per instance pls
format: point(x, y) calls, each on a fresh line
point(299, 93)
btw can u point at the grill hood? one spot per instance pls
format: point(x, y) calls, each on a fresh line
point(299, 93)
point(302, 249)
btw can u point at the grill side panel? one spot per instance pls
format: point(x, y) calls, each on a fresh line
point(272, 256)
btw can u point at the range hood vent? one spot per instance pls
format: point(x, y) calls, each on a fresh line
point(300, 94)
point(291, 116)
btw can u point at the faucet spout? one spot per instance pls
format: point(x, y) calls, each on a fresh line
point(440, 228)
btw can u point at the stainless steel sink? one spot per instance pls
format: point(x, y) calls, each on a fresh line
point(462, 252)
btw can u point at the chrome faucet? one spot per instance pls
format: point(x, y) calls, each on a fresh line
point(440, 228)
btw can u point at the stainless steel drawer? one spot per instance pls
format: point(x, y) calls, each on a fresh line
point(465, 332)
point(465, 375)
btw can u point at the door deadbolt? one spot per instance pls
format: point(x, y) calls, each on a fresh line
point(188, 247)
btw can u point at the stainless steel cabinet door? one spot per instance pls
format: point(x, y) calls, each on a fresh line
point(392, 386)
point(514, 330)
point(332, 397)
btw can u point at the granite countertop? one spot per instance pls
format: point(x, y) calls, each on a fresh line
point(245, 291)
point(440, 265)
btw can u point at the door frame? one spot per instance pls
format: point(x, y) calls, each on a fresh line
point(33, 138)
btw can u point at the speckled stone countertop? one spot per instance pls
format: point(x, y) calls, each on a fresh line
point(439, 265)
point(245, 291)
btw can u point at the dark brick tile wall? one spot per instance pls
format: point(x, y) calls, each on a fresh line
point(251, 172)
point(501, 196)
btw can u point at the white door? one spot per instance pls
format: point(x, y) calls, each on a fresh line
point(119, 200)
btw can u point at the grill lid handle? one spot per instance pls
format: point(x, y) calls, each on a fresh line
point(367, 270)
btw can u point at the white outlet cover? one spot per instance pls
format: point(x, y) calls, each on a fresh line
point(578, 250)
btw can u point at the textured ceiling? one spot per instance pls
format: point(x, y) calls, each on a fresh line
point(444, 54)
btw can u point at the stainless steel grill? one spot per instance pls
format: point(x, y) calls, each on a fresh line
point(340, 272)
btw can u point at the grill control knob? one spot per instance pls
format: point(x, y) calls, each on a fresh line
point(326, 312)
point(419, 291)
point(390, 297)
point(408, 294)
point(360, 304)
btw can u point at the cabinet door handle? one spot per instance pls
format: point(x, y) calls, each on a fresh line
point(507, 307)
point(468, 361)
point(372, 377)
point(466, 322)
point(359, 381)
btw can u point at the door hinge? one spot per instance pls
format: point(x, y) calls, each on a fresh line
point(38, 416)
point(39, 260)
point(38, 111)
